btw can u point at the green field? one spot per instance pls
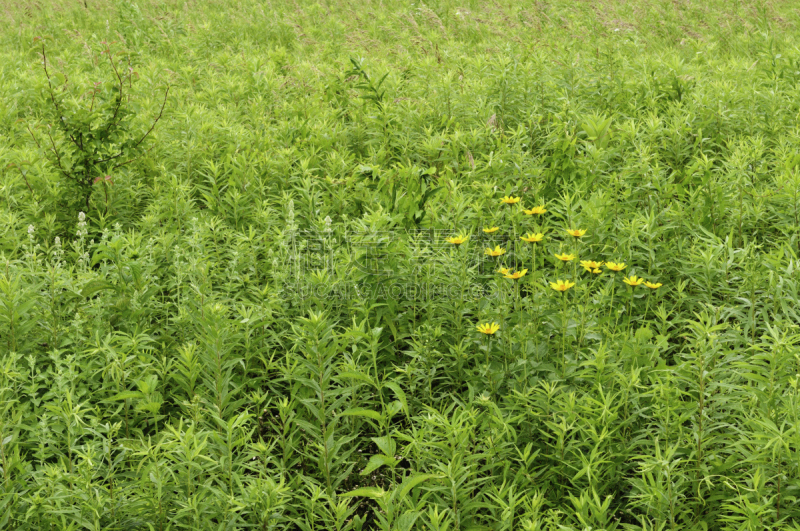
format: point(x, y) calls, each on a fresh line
point(233, 293)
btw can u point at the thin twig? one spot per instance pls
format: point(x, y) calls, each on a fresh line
point(119, 96)
point(24, 178)
point(58, 157)
point(166, 93)
point(140, 140)
point(131, 160)
point(768, 194)
point(53, 98)
point(28, 127)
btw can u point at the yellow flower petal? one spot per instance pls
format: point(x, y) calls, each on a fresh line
point(458, 240)
point(510, 200)
point(538, 210)
point(497, 251)
point(561, 285)
point(488, 329)
point(633, 280)
point(590, 264)
point(515, 275)
point(532, 238)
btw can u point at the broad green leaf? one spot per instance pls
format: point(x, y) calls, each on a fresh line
point(95, 286)
point(377, 461)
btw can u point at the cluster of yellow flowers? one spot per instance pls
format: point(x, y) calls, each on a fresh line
point(590, 266)
point(594, 267)
point(634, 281)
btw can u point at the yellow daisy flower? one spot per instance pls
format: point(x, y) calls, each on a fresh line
point(488, 329)
point(561, 285)
point(597, 271)
point(565, 257)
point(532, 237)
point(578, 233)
point(538, 210)
point(633, 281)
point(458, 240)
point(613, 266)
point(497, 251)
point(510, 200)
point(588, 265)
point(516, 275)
point(503, 270)
point(489, 230)
point(653, 286)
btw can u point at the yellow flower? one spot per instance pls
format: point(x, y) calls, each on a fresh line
point(488, 329)
point(510, 199)
point(539, 210)
point(633, 281)
point(615, 267)
point(497, 251)
point(503, 270)
point(588, 265)
point(490, 229)
point(653, 286)
point(561, 285)
point(532, 238)
point(565, 257)
point(515, 275)
point(576, 232)
point(597, 271)
point(458, 240)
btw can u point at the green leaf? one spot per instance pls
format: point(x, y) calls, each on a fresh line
point(367, 492)
point(94, 286)
point(413, 481)
point(401, 395)
point(406, 520)
point(356, 376)
point(377, 461)
point(362, 412)
point(386, 445)
point(125, 395)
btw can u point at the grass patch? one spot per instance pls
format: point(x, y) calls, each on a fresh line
point(383, 265)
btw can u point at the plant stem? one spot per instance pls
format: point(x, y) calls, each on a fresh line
point(630, 309)
point(535, 309)
point(564, 336)
point(613, 289)
point(583, 312)
point(647, 305)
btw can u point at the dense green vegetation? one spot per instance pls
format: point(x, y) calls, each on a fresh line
point(244, 311)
